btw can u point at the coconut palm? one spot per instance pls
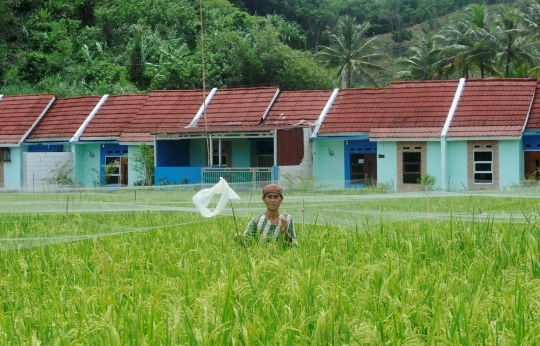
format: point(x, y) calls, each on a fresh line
point(349, 51)
point(421, 61)
point(511, 41)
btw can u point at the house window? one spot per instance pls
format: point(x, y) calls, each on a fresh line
point(215, 160)
point(412, 171)
point(483, 167)
point(6, 154)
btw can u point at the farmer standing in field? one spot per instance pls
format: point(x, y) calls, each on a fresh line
point(272, 224)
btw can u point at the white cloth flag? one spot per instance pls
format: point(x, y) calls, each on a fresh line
point(203, 198)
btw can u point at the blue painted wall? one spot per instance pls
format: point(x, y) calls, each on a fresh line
point(364, 146)
point(241, 152)
point(328, 163)
point(511, 163)
point(172, 153)
point(87, 164)
point(433, 163)
point(456, 166)
point(197, 152)
point(387, 164)
point(13, 174)
point(46, 148)
point(175, 174)
point(531, 141)
point(110, 150)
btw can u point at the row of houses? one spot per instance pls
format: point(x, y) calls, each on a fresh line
point(468, 134)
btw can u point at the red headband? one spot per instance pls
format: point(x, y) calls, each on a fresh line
point(273, 188)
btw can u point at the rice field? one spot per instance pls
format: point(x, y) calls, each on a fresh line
point(142, 267)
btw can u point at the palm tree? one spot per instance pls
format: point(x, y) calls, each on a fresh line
point(349, 51)
point(511, 41)
point(421, 61)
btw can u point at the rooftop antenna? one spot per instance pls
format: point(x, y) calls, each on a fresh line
point(208, 157)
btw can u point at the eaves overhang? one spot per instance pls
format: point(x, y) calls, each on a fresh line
point(338, 138)
point(483, 138)
point(407, 139)
point(34, 141)
point(95, 139)
point(258, 134)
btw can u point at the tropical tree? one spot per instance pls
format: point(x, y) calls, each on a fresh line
point(421, 60)
point(511, 40)
point(350, 50)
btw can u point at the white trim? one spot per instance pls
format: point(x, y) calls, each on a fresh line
point(446, 128)
point(453, 108)
point(203, 108)
point(491, 162)
point(410, 139)
point(271, 104)
point(275, 147)
point(324, 113)
point(79, 132)
point(529, 112)
point(1, 96)
point(198, 135)
point(48, 139)
point(502, 138)
point(110, 138)
point(37, 120)
point(344, 134)
point(155, 158)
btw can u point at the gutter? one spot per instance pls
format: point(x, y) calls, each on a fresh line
point(37, 120)
point(89, 118)
point(528, 113)
point(324, 113)
point(202, 110)
point(271, 104)
point(446, 128)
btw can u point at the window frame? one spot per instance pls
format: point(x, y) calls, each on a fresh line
point(404, 164)
point(491, 163)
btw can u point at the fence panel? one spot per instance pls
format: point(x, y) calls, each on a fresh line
point(244, 179)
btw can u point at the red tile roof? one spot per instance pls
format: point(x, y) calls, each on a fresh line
point(493, 107)
point(18, 114)
point(534, 116)
point(238, 106)
point(127, 137)
point(405, 132)
point(166, 111)
point(114, 116)
point(394, 111)
point(297, 108)
point(64, 118)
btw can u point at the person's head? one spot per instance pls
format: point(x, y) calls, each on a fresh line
point(272, 196)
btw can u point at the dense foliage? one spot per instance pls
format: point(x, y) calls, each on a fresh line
point(480, 42)
point(76, 47)
point(72, 47)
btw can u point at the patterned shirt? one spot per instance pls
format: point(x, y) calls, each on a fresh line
point(262, 227)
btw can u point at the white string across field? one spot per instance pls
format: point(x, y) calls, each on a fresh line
point(348, 211)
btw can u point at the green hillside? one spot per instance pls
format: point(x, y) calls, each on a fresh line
point(78, 47)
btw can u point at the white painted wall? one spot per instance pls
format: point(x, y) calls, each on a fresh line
point(37, 166)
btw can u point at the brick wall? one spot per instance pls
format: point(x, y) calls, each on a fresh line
point(482, 145)
point(410, 147)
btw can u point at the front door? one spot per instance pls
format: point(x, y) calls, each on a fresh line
point(532, 165)
point(113, 170)
point(357, 169)
point(370, 166)
point(363, 169)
